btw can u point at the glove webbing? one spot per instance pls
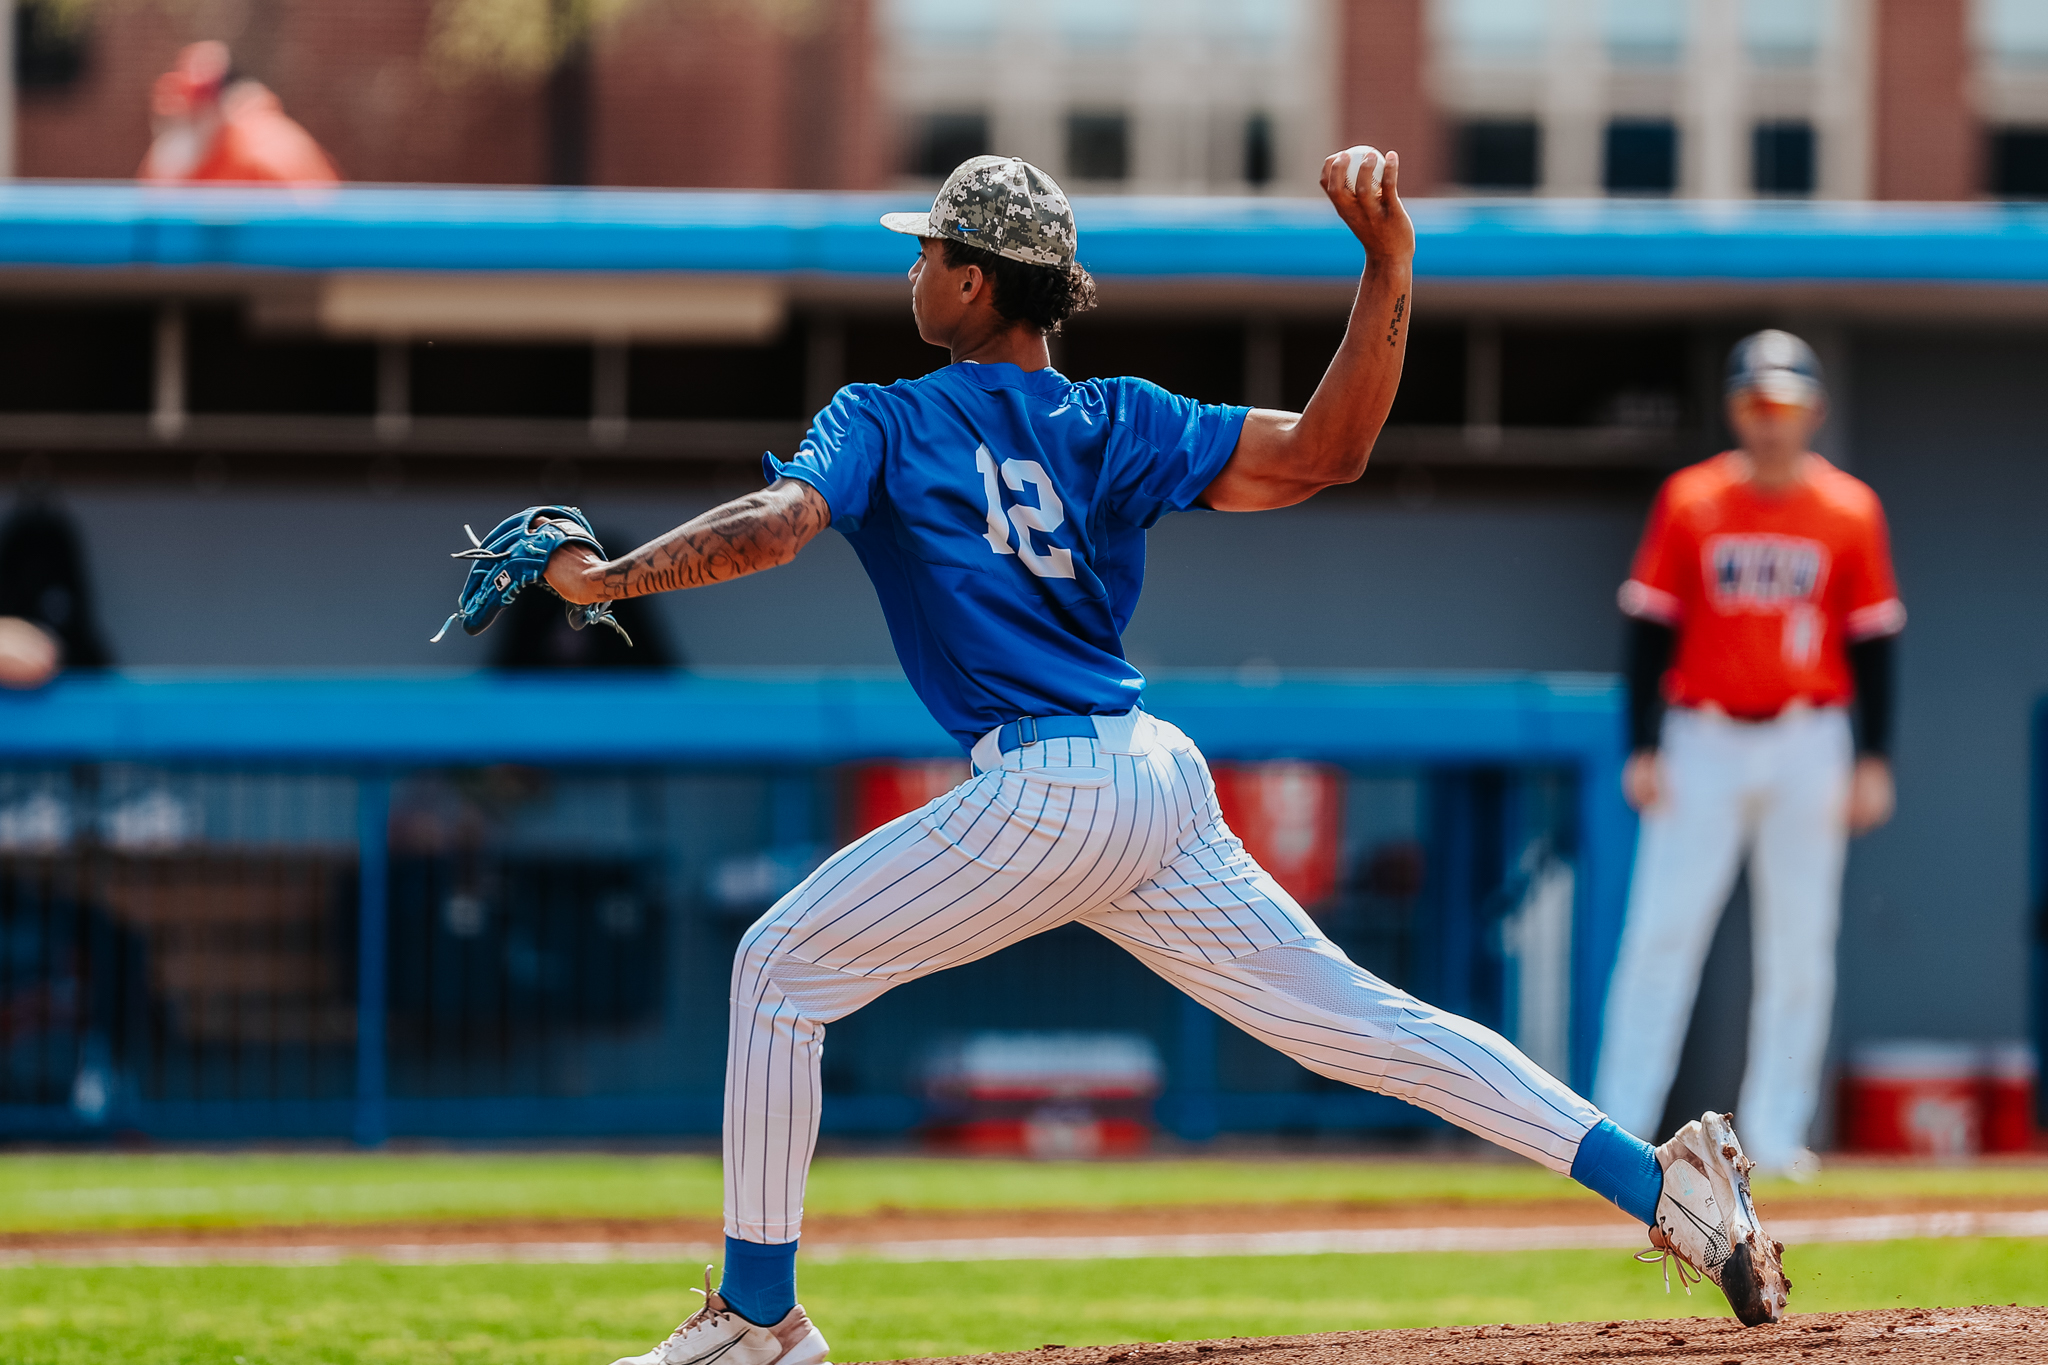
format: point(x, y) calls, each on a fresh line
point(592, 613)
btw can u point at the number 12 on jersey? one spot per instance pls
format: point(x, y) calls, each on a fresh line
point(1048, 516)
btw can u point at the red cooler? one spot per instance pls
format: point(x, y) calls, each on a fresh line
point(1045, 1095)
point(873, 794)
point(1291, 818)
point(2008, 1080)
point(1913, 1098)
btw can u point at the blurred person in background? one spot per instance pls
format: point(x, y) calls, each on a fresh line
point(1762, 608)
point(28, 655)
point(214, 125)
point(46, 614)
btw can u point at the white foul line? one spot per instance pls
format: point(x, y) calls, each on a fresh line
point(1338, 1241)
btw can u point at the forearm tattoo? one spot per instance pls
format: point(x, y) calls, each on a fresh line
point(760, 531)
point(1394, 326)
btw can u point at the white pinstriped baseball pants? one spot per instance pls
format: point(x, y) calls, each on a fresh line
point(1120, 833)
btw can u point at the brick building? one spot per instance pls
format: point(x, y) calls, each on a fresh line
point(1844, 99)
point(703, 94)
point(1851, 99)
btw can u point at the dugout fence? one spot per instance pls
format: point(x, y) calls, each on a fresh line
point(239, 906)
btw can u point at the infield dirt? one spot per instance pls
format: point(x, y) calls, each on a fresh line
point(1916, 1335)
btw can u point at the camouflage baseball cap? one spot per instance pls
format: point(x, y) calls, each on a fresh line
point(1000, 204)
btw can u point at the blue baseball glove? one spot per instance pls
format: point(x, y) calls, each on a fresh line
point(513, 558)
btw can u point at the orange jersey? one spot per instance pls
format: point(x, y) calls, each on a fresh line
point(1766, 590)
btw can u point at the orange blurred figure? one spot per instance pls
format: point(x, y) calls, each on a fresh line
point(213, 128)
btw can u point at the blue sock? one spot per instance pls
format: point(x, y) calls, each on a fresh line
point(760, 1280)
point(1622, 1168)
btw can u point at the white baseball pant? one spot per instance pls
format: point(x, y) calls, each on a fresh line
point(1777, 791)
point(1121, 833)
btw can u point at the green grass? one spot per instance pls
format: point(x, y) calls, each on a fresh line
point(68, 1192)
point(587, 1315)
point(85, 1192)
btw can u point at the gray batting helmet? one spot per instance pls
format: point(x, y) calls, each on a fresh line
point(1777, 365)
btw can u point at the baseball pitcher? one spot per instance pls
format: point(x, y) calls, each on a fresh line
point(1763, 613)
point(1000, 509)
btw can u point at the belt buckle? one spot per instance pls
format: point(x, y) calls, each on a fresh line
point(1027, 731)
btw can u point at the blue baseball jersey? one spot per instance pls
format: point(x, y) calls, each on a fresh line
point(1001, 515)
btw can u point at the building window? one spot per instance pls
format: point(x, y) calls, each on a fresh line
point(1098, 146)
point(49, 51)
point(1483, 32)
point(942, 141)
point(1499, 154)
point(1642, 156)
point(1258, 149)
point(1094, 23)
point(1645, 32)
point(942, 23)
point(2011, 33)
point(1781, 158)
point(2019, 163)
point(1782, 32)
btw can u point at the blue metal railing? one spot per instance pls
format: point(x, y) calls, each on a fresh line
point(467, 228)
point(528, 927)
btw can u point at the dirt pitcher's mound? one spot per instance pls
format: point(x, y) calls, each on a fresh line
point(1916, 1335)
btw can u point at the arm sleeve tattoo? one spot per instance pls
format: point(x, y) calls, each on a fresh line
point(760, 531)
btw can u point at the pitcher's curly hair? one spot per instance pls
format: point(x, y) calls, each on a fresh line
point(1042, 295)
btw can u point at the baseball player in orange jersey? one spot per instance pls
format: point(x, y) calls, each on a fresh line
point(1763, 611)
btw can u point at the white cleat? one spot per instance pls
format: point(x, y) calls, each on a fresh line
point(1706, 1219)
point(714, 1333)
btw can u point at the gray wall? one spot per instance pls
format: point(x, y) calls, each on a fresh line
point(1350, 583)
point(1951, 434)
point(260, 578)
point(337, 577)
